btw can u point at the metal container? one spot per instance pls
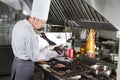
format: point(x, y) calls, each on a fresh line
point(114, 57)
point(108, 73)
point(97, 68)
point(100, 69)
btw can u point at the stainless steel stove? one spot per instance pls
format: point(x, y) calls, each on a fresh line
point(81, 70)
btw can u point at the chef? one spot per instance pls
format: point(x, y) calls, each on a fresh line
point(25, 41)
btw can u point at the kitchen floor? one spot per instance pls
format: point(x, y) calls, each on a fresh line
point(6, 77)
point(38, 75)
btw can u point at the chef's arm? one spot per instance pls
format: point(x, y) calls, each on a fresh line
point(46, 38)
point(34, 53)
point(32, 49)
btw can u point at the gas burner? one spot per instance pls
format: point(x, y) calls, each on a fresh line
point(78, 70)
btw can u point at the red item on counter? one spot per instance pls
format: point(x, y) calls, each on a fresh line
point(70, 53)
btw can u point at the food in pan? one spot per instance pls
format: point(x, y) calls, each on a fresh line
point(60, 65)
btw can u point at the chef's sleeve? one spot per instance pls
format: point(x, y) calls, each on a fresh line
point(35, 54)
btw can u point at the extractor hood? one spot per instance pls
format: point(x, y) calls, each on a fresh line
point(109, 9)
point(75, 13)
point(78, 14)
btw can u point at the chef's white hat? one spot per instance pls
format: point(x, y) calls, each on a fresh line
point(40, 9)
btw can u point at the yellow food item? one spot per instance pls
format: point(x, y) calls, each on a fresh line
point(82, 48)
point(90, 45)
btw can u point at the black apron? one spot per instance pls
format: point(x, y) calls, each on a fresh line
point(22, 69)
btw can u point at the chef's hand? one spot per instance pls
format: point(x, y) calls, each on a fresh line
point(59, 49)
point(43, 35)
point(51, 47)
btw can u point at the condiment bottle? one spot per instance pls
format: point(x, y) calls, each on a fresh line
point(70, 53)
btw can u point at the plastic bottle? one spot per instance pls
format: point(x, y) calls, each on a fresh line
point(70, 53)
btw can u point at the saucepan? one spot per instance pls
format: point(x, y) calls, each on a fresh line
point(114, 56)
point(100, 69)
point(97, 68)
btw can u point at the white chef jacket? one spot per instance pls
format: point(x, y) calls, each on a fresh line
point(25, 42)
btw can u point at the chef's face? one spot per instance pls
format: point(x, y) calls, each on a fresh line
point(38, 24)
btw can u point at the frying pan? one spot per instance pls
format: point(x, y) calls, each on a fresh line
point(63, 59)
point(67, 65)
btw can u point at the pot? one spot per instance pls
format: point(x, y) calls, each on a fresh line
point(105, 68)
point(114, 56)
point(97, 68)
point(100, 69)
point(107, 73)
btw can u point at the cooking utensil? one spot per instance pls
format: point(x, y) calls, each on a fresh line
point(97, 68)
point(67, 65)
point(107, 73)
point(114, 57)
point(100, 69)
